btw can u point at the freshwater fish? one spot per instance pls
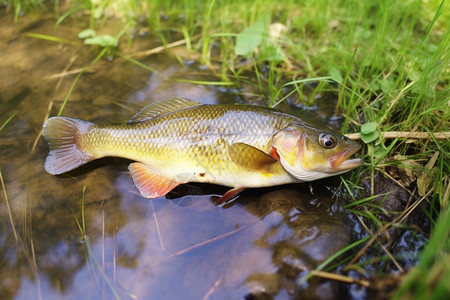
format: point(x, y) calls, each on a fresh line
point(179, 140)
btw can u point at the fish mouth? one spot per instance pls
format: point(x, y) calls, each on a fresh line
point(339, 162)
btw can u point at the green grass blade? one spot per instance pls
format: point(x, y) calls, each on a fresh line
point(51, 38)
point(7, 121)
point(82, 227)
point(99, 56)
point(204, 82)
point(136, 62)
point(434, 265)
point(280, 90)
point(334, 256)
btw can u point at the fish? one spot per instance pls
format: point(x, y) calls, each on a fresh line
point(179, 140)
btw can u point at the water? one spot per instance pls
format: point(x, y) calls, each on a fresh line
point(122, 245)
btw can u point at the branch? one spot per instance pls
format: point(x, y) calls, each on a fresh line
point(405, 135)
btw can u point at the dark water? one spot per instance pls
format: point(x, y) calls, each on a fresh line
point(177, 247)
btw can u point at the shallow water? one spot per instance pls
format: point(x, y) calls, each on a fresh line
point(179, 246)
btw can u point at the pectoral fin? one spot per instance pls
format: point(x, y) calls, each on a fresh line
point(250, 157)
point(149, 183)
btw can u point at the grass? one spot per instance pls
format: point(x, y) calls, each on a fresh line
point(386, 61)
point(89, 253)
point(429, 280)
point(5, 195)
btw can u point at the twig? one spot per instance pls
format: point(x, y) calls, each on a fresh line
point(382, 246)
point(38, 280)
point(66, 73)
point(71, 61)
point(158, 231)
point(216, 284)
point(383, 228)
point(161, 48)
point(339, 277)
point(9, 208)
point(49, 108)
point(405, 135)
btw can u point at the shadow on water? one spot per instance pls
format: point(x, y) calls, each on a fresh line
point(185, 247)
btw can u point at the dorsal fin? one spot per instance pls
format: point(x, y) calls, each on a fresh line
point(161, 107)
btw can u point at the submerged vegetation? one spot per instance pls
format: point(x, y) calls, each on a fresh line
point(388, 64)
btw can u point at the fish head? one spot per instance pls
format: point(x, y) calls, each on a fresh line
point(309, 153)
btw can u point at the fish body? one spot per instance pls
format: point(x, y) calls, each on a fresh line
point(179, 140)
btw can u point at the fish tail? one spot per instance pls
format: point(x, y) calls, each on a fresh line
point(63, 136)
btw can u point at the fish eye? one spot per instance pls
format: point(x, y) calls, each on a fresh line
point(327, 140)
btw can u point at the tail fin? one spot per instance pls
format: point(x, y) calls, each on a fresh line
point(63, 136)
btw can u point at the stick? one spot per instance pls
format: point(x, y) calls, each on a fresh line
point(9, 208)
point(405, 135)
point(339, 277)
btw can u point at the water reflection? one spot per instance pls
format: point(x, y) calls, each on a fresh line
point(136, 248)
point(257, 246)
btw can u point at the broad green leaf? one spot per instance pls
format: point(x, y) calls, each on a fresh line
point(104, 40)
point(250, 38)
point(336, 75)
point(87, 33)
point(369, 137)
point(368, 128)
point(98, 12)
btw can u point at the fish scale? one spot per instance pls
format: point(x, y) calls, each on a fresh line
point(179, 140)
point(192, 141)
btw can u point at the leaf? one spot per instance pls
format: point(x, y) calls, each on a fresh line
point(104, 40)
point(87, 33)
point(250, 38)
point(335, 74)
point(368, 128)
point(379, 151)
point(428, 174)
point(369, 137)
point(98, 12)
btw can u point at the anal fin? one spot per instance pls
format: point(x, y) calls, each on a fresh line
point(149, 183)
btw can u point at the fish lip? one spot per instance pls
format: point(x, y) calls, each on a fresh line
point(350, 164)
point(340, 162)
